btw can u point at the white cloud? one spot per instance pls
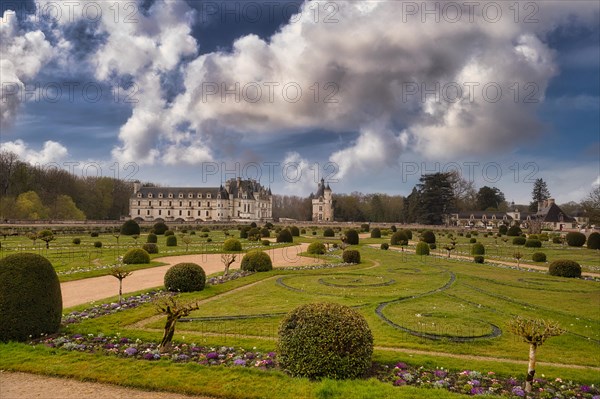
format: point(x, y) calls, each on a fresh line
point(299, 175)
point(50, 152)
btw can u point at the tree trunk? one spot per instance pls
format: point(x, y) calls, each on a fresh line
point(169, 332)
point(530, 367)
point(120, 291)
point(226, 270)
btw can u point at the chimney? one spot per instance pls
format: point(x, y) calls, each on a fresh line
point(541, 205)
point(550, 202)
point(136, 186)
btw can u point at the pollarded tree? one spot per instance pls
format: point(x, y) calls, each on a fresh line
point(46, 236)
point(227, 260)
point(120, 273)
point(534, 332)
point(174, 312)
point(187, 240)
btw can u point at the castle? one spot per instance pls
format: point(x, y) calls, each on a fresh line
point(237, 200)
point(322, 203)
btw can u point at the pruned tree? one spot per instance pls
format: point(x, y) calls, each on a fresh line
point(227, 260)
point(187, 240)
point(450, 247)
point(518, 255)
point(33, 236)
point(120, 273)
point(174, 311)
point(46, 236)
point(534, 332)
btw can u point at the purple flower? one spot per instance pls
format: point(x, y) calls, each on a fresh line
point(596, 397)
point(402, 365)
point(250, 355)
point(518, 391)
point(476, 391)
point(399, 382)
point(212, 355)
point(109, 346)
point(182, 357)
point(124, 341)
point(440, 373)
point(475, 383)
point(512, 381)
point(77, 336)
point(130, 351)
point(149, 356)
point(239, 362)
point(271, 354)
point(585, 388)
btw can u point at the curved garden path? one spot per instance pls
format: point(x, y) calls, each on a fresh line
point(96, 288)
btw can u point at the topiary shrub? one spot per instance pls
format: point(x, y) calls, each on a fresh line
point(428, 237)
point(519, 240)
point(152, 238)
point(393, 228)
point(432, 246)
point(30, 297)
point(399, 238)
point(254, 234)
point(136, 256)
point(557, 240)
point(256, 261)
point(533, 237)
point(285, 236)
point(185, 277)
point(538, 257)
point(266, 243)
point(169, 233)
point(205, 230)
point(502, 229)
point(328, 233)
point(159, 228)
point(422, 248)
point(408, 234)
point(295, 231)
point(575, 239)
point(351, 256)
point(94, 234)
point(76, 241)
point(352, 237)
point(316, 248)
point(478, 259)
point(244, 231)
point(376, 233)
point(533, 243)
point(130, 228)
point(385, 246)
point(171, 241)
point(543, 237)
point(365, 227)
point(264, 232)
point(473, 240)
point(468, 235)
point(514, 231)
point(593, 241)
point(98, 244)
point(565, 268)
point(478, 249)
point(325, 340)
point(232, 245)
point(150, 247)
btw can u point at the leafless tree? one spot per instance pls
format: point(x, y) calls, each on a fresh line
point(227, 260)
point(174, 312)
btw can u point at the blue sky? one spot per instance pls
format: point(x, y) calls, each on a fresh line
point(379, 86)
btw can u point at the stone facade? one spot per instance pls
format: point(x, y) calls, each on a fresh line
point(322, 204)
point(237, 200)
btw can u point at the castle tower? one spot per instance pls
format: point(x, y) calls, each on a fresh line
point(322, 203)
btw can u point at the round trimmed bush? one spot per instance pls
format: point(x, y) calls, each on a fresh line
point(76, 241)
point(385, 246)
point(468, 235)
point(232, 245)
point(428, 237)
point(316, 248)
point(171, 241)
point(159, 228)
point(478, 259)
point(502, 229)
point(533, 237)
point(328, 232)
point(325, 340)
point(478, 249)
point(408, 233)
point(254, 234)
point(352, 237)
point(593, 241)
point(472, 240)
point(399, 238)
point(266, 243)
point(376, 233)
point(432, 246)
point(575, 239)
point(136, 256)
point(130, 228)
point(94, 234)
point(98, 244)
point(422, 248)
point(264, 232)
point(565, 268)
point(205, 230)
point(30, 297)
point(169, 233)
point(185, 277)
point(256, 261)
point(285, 236)
point(533, 243)
point(514, 231)
point(365, 227)
point(152, 238)
point(244, 231)
point(253, 225)
point(351, 256)
point(519, 240)
point(295, 231)
point(538, 257)
point(150, 247)
point(557, 240)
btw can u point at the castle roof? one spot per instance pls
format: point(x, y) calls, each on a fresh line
point(234, 188)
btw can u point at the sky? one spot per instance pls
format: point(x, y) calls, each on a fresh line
point(367, 95)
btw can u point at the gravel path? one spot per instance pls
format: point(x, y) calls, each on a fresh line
point(94, 289)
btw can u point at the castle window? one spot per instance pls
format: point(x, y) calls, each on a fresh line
point(206, 213)
point(139, 203)
point(199, 203)
point(139, 211)
point(320, 208)
point(180, 203)
point(208, 204)
point(170, 195)
point(168, 213)
point(150, 195)
point(180, 195)
point(170, 203)
point(190, 203)
point(149, 203)
point(180, 213)
point(159, 212)
point(139, 195)
point(199, 195)
point(159, 203)
point(190, 195)
point(189, 213)
point(148, 212)
point(198, 213)
point(208, 195)
point(160, 195)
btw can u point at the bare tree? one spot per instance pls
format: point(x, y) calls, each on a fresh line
point(518, 255)
point(187, 240)
point(120, 273)
point(534, 332)
point(450, 247)
point(227, 260)
point(174, 312)
point(33, 236)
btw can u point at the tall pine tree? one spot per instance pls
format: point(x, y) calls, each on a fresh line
point(436, 198)
point(540, 193)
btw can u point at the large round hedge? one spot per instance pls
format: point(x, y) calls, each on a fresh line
point(352, 237)
point(150, 247)
point(30, 297)
point(159, 228)
point(533, 243)
point(502, 229)
point(265, 232)
point(232, 245)
point(422, 248)
point(325, 340)
point(136, 256)
point(152, 239)
point(514, 231)
point(351, 256)
point(520, 240)
point(565, 268)
point(316, 248)
point(169, 233)
point(130, 228)
point(295, 231)
point(428, 237)
point(328, 232)
point(408, 233)
point(256, 261)
point(575, 239)
point(376, 233)
point(171, 241)
point(593, 241)
point(285, 236)
point(538, 257)
point(185, 277)
point(478, 249)
point(399, 238)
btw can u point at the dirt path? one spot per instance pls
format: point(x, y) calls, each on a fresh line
point(30, 386)
point(94, 289)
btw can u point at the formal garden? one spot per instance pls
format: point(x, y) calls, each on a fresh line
point(383, 312)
